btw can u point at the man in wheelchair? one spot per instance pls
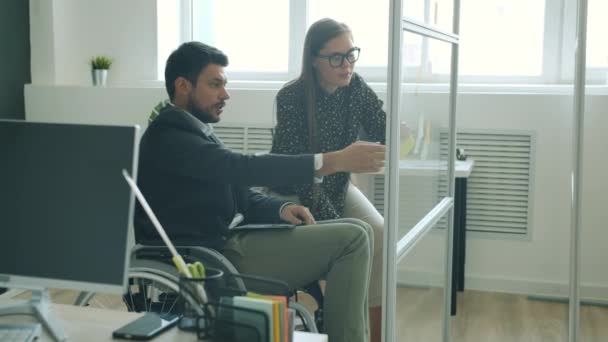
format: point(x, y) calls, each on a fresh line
point(197, 186)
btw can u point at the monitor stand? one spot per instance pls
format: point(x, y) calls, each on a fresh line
point(38, 306)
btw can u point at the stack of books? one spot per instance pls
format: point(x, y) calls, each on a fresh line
point(262, 318)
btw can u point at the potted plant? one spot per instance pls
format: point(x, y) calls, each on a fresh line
point(99, 69)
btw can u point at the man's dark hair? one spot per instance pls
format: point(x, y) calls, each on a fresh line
point(188, 61)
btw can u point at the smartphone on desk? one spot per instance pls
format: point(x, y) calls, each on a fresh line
point(146, 327)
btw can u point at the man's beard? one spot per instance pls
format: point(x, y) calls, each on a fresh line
point(200, 113)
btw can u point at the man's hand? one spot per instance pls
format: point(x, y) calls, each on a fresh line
point(297, 214)
point(359, 157)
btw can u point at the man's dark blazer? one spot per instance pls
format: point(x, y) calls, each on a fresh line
point(195, 185)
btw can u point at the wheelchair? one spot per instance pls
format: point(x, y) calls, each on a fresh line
point(153, 284)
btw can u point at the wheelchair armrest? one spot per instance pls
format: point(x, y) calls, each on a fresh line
point(209, 257)
point(189, 253)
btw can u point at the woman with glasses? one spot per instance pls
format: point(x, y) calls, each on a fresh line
point(323, 110)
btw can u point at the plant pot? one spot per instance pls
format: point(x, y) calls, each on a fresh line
point(100, 77)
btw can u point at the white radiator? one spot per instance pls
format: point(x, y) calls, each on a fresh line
point(249, 139)
point(499, 197)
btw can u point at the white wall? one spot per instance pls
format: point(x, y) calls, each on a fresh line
point(537, 265)
point(65, 34)
point(42, 42)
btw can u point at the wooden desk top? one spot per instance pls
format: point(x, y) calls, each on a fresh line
point(93, 325)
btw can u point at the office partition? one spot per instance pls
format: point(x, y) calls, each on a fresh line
point(419, 216)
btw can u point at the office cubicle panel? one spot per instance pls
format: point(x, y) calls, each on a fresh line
point(424, 119)
point(424, 116)
point(589, 172)
point(420, 180)
point(594, 253)
point(421, 290)
point(423, 188)
point(593, 247)
point(435, 13)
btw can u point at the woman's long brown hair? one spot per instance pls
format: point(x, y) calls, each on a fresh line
point(317, 36)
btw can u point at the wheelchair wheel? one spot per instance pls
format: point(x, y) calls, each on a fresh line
point(148, 290)
point(154, 285)
point(100, 300)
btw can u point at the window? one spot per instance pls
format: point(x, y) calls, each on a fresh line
point(253, 42)
point(368, 21)
point(491, 44)
point(502, 41)
point(597, 29)
point(438, 13)
point(502, 37)
point(170, 29)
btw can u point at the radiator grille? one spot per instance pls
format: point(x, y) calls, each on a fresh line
point(499, 187)
point(249, 139)
point(498, 193)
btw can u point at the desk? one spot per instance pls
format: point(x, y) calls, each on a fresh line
point(460, 229)
point(462, 172)
point(409, 167)
point(93, 324)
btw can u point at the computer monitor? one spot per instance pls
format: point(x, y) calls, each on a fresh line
point(65, 208)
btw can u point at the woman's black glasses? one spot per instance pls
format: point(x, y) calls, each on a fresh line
point(337, 59)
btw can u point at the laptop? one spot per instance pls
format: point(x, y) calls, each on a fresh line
point(234, 225)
